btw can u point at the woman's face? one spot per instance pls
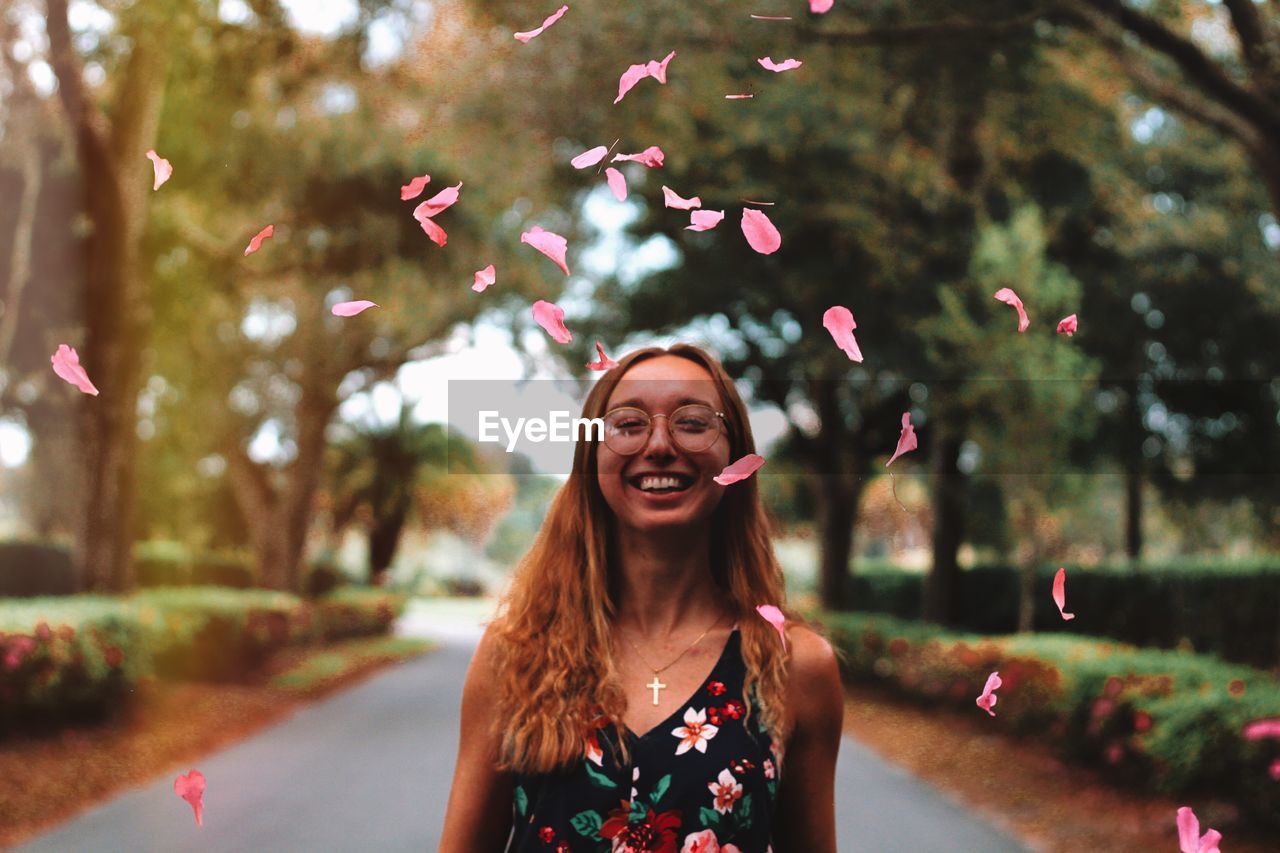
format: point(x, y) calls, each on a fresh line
point(660, 386)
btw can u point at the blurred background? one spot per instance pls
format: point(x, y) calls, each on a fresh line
point(1115, 160)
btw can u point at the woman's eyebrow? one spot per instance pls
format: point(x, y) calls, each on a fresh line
point(639, 404)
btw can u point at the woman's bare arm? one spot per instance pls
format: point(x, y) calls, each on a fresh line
point(478, 817)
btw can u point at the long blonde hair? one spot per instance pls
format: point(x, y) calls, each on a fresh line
point(553, 635)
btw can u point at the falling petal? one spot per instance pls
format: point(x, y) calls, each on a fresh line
point(1060, 594)
point(774, 617)
point(1274, 770)
point(548, 243)
point(635, 73)
point(438, 202)
point(484, 278)
point(256, 243)
point(66, 363)
point(737, 97)
point(1008, 297)
point(838, 320)
point(651, 157)
point(191, 788)
point(551, 19)
point(674, 201)
point(589, 158)
point(551, 318)
point(617, 183)
point(414, 188)
point(1259, 729)
point(605, 363)
point(350, 309)
point(740, 470)
point(704, 220)
point(820, 7)
point(906, 439)
point(1068, 325)
point(988, 698)
point(1189, 838)
point(434, 231)
point(785, 65)
point(160, 166)
point(759, 231)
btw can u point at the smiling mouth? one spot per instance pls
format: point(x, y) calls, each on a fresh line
point(661, 485)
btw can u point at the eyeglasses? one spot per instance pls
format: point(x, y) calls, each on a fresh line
point(694, 428)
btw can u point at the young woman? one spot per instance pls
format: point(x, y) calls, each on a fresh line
point(628, 696)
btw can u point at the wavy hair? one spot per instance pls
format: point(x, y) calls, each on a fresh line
point(554, 648)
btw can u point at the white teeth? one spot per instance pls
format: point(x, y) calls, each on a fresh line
point(647, 483)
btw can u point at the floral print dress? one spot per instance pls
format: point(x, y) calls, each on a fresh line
point(701, 781)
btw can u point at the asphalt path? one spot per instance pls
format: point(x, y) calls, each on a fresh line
point(369, 770)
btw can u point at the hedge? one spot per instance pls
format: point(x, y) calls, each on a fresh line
point(72, 656)
point(1163, 721)
point(1232, 612)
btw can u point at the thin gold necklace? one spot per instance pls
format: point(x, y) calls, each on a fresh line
point(657, 685)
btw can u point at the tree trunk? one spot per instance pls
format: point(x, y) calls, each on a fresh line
point(279, 517)
point(940, 586)
point(384, 539)
point(117, 182)
point(838, 498)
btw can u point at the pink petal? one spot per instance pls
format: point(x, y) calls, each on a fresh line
point(672, 200)
point(1188, 830)
point(161, 168)
point(617, 183)
point(1060, 594)
point(1259, 729)
point(739, 470)
point(437, 202)
point(350, 309)
point(704, 220)
point(1067, 325)
point(484, 278)
point(988, 698)
point(191, 788)
point(784, 65)
point(434, 231)
point(548, 243)
point(906, 439)
point(414, 188)
point(820, 7)
point(66, 364)
point(651, 157)
point(635, 73)
point(658, 70)
point(774, 617)
point(551, 19)
point(1008, 297)
point(256, 243)
point(1209, 842)
point(589, 158)
point(738, 97)
point(1274, 770)
point(605, 363)
point(551, 318)
point(759, 231)
point(838, 320)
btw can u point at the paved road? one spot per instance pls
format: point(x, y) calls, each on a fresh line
point(369, 770)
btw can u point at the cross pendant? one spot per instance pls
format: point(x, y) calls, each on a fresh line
point(655, 685)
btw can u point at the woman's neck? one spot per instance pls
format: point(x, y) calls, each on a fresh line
point(666, 587)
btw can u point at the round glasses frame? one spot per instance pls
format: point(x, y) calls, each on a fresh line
point(712, 434)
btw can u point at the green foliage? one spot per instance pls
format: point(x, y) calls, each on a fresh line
point(1224, 610)
point(334, 663)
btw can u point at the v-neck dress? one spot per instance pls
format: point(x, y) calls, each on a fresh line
point(701, 780)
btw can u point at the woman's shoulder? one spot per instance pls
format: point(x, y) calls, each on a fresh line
point(814, 690)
